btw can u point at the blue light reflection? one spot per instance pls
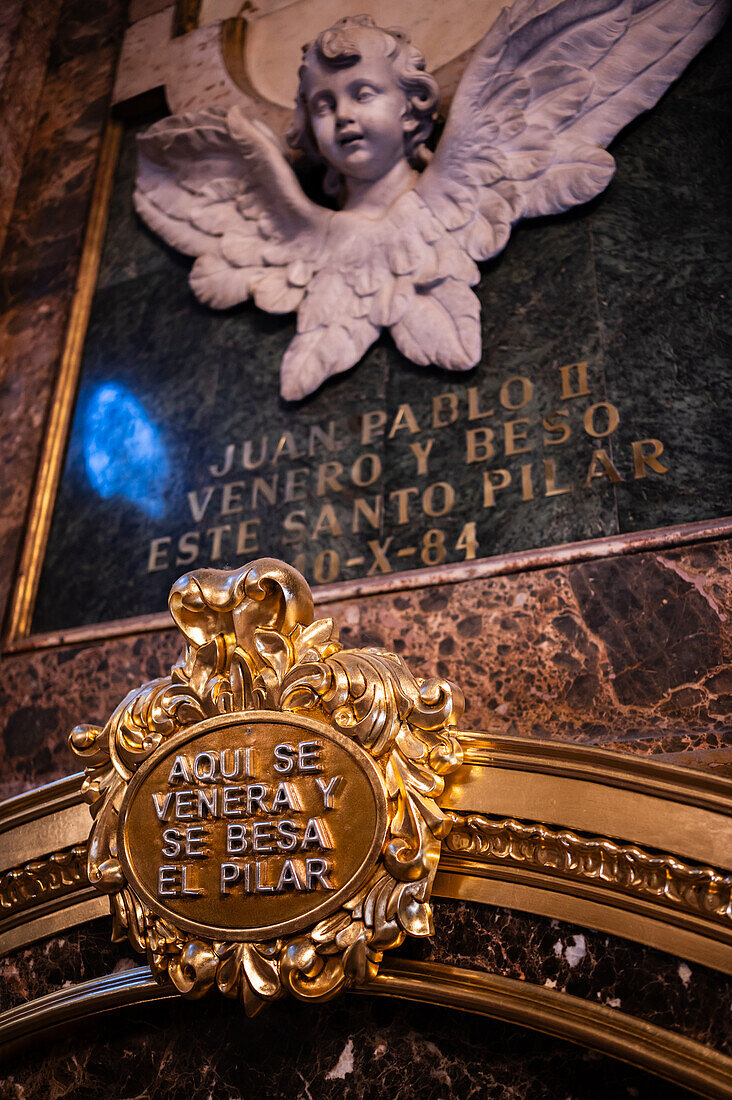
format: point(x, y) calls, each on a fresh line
point(123, 452)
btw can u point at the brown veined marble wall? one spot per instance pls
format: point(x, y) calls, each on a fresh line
point(56, 67)
point(357, 1047)
point(26, 30)
point(630, 653)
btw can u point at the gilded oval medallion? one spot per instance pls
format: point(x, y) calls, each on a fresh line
point(266, 817)
point(252, 825)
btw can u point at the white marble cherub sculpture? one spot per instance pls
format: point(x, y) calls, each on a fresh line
point(546, 90)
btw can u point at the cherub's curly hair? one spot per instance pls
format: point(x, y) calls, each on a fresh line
point(338, 47)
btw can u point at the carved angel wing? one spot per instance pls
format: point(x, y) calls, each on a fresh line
point(550, 86)
point(399, 272)
point(216, 186)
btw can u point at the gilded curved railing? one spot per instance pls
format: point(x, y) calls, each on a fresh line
point(607, 1030)
point(623, 844)
point(619, 843)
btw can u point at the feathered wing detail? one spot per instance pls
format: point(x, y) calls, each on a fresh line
point(548, 87)
point(327, 350)
point(402, 273)
point(216, 186)
point(546, 90)
point(437, 319)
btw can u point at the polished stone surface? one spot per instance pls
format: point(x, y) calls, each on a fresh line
point(641, 981)
point(356, 1048)
point(26, 30)
point(361, 1047)
point(630, 653)
point(53, 121)
point(665, 291)
point(634, 284)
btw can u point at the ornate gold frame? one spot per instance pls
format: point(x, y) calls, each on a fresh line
point(641, 850)
point(561, 1015)
point(636, 848)
point(257, 663)
point(624, 844)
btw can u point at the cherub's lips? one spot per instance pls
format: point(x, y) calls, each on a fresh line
point(350, 137)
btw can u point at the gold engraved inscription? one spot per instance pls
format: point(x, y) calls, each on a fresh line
point(510, 446)
point(249, 827)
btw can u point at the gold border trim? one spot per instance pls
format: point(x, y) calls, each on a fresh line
point(40, 883)
point(186, 16)
point(40, 802)
point(683, 817)
point(485, 751)
point(49, 910)
point(54, 447)
point(657, 1050)
point(38, 822)
point(72, 1004)
point(46, 921)
point(624, 875)
point(627, 800)
point(233, 45)
point(654, 1049)
point(519, 561)
point(607, 911)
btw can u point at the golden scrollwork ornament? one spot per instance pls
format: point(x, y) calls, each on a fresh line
point(266, 817)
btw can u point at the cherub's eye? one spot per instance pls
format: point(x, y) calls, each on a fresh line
point(321, 106)
point(365, 94)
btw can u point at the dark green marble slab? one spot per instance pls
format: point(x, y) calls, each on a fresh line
point(664, 271)
point(635, 284)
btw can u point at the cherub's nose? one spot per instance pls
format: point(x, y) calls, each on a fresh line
point(343, 113)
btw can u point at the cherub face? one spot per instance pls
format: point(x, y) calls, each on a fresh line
point(358, 114)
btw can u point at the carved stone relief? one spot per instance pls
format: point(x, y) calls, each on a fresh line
point(545, 92)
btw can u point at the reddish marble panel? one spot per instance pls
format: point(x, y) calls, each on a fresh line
point(10, 20)
point(352, 1048)
point(26, 31)
point(44, 239)
point(358, 1048)
point(31, 335)
point(47, 228)
point(630, 653)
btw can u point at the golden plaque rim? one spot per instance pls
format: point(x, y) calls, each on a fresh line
point(294, 924)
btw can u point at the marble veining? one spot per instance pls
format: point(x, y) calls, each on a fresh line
point(57, 111)
point(26, 30)
point(632, 654)
point(629, 653)
point(361, 1047)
